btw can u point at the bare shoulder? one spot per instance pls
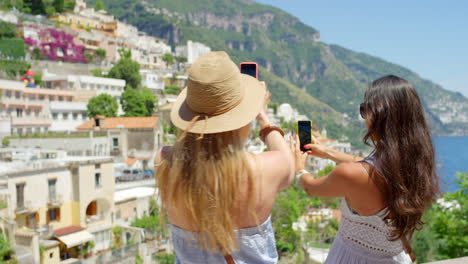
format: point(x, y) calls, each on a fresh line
point(275, 168)
point(350, 172)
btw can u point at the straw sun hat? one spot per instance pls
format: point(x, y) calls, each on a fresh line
point(218, 97)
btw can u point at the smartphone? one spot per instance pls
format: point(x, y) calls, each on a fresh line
point(249, 68)
point(305, 136)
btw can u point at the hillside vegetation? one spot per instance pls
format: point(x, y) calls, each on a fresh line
point(325, 82)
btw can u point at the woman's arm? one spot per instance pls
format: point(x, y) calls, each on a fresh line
point(336, 184)
point(321, 151)
point(278, 161)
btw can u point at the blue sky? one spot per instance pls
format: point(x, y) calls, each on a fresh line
point(429, 37)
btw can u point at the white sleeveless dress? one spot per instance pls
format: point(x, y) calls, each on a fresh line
point(364, 240)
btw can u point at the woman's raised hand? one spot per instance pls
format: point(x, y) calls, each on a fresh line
point(317, 149)
point(262, 117)
point(299, 156)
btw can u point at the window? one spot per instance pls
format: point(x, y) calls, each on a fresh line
point(97, 180)
point(20, 195)
point(60, 98)
point(75, 116)
point(32, 97)
point(54, 116)
point(19, 112)
point(115, 144)
point(17, 95)
point(65, 116)
point(8, 94)
point(53, 214)
point(32, 220)
point(52, 189)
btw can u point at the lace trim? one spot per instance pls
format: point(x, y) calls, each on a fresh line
point(368, 233)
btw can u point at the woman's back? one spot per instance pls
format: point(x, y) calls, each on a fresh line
point(209, 185)
point(364, 239)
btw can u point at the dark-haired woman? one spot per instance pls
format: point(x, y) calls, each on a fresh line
point(385, 194)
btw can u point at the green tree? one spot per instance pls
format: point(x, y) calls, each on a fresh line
point(101, 54)
point(168, 59)
point(5, 248)
point(70, 5)
point(445, 234)
point(103, 104)
point(117, 236)
point(138, 102)
point(171, 89)
point(126, 69)
point(97, 72)
point(149, 99)
point(165, 258)
point(59, 5)
point(290, 204)
point(34, 6)
point(133, 103)
point(38, 78)
point(36, 54)
point(179, 60)
point(7, 30)
point(99, 5)
point(50, 10)
point(89, 57)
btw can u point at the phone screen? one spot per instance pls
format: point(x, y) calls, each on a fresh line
point(305, 137)
point(250, 69)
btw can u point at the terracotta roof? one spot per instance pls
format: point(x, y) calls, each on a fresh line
point(67, 230)
point(125, 122)
point(130, 161)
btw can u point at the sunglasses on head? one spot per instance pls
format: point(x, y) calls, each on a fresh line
point(362, 110)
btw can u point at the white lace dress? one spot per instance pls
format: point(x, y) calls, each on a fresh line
point(364, 240)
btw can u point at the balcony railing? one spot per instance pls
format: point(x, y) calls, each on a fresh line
point(91, 219)
point(30, 120)
point(23, 207)
point(55, 201)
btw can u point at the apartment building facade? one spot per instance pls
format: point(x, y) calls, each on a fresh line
point(65, 206)
point(28, 108)
point(136, 137)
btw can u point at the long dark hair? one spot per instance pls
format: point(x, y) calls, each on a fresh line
point(403, 149)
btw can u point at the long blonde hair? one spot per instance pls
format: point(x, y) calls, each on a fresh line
point(202, 177)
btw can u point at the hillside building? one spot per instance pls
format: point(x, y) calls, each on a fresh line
point(128, 137)
point(74, 208)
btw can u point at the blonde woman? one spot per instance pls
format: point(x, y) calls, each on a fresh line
point(217, 196)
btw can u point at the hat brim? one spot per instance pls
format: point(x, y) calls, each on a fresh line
point(244, 113)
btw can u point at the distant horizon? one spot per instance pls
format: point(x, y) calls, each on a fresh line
point(428, 39)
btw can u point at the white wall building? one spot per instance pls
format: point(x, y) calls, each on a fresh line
point(195, 50)
point(88, 86)
point(192, 51)
point(66, 116)
point(152, 80)
point(125, 30)
point(288, 113)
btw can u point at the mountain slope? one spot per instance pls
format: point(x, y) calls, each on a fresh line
point(287, 48)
